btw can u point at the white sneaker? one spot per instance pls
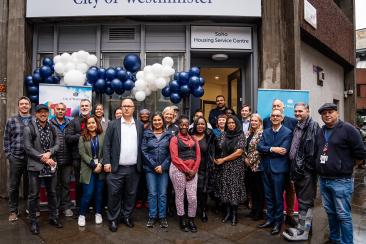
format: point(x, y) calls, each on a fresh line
point(68, 213)
point(98, 219)
point(81, 221)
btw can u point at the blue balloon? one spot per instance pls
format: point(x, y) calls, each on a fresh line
point(109, 91)
point(92, 75)
point(108, 83)
point(184, 90)
point(88, 84)
point(174, 86)
point(116, 84)
point(194, 82)
point(56, 79)
point(49, 80)
point(33, 98)
point(37, 70)
point(118, 68)
point(28, 81)
point(175, 98)
point(32, 90)
point(110, 74)
point(122, 75)
point(94, 67)
point(202, 81)
point(100, 86)
point(194, 71)
point(101, 73)
point(176, 75)
point(45, 71)
point(166, 91)
point(130, 75)
point(132, 62)
point(198, 92)
point(183, 78)
point(36, 78)
point(47, 61)
point(128, 85)
point(120, 92)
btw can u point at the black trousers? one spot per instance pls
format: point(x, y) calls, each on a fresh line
point(78, 188)
point(18, 168)
point(122, 186)
point(306, 190)
point(34, 186)
point(63, 189)
point(255, 185)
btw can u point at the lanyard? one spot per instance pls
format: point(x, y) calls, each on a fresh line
point(327, 134)
point(95, 145)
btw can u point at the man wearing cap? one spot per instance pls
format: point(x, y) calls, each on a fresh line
point(14, 151)
point(338, 146)
point(41, 144)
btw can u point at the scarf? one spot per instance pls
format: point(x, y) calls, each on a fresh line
point(231, 138)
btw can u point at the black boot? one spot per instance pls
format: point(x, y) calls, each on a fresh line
point(234, 219)
point(192, 226)
point(203, 216)
point(182, 224)
point(227, 215)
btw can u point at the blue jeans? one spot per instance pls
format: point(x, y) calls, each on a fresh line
point(97, 186)
point(157, 185)
point(336, 197)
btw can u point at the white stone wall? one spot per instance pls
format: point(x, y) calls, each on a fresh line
point(333, 86)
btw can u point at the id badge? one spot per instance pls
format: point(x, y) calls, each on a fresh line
point(95, 161)
point(323, 159)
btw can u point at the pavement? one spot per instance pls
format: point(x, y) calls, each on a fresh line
point(211, 232)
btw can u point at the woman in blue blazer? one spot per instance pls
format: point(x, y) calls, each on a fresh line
point(156, 162)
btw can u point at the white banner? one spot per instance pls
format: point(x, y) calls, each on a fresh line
point(69, 95)
point(221, 37)
point(68, 8)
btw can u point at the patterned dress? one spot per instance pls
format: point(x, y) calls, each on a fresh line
point(231, 175)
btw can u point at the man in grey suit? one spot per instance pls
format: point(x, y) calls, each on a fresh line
point(122, 158)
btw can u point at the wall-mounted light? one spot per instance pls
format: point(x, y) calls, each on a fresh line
point(320, 75)
point(220, 57)
point(216, 77)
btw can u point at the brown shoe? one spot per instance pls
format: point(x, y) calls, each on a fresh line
point(13, 217)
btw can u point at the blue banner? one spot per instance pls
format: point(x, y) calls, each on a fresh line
point(288, 97)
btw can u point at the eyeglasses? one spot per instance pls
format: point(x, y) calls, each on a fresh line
point(276, 115)
point(128, 106)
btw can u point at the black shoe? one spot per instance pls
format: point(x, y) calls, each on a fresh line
point(267, 224)
point(163, 223)
point(290, 221)
point(182, 224)
point(34, 228)
point(191, 225)
point(227, 215)
point(276, 229)
point(55, 222)
point(113, 226)
point(234, 219)
point(150, 222)
point(170, 212)
point(204, 217)
point(128, 222)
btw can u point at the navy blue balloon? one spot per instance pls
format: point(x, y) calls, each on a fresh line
point(128, 85)
point(101, 73)
point(108, 83)
point(132, 63)
point(109, 91)
point(47, 61)
point(130, 75)
point(110, 74)
point(174, 86)
point(118, 68)
point(100, 86)
point(175, 98)
point(49, 80)
point(122, 75)
point(88, 84)
point(116, 84)
point(28, 81)
point(33, 98)
point(37, 70)
point(166, 91)
point(183, 78)
point(198, 92)
point(56, 79)
point(176, 76)
point(202, 81)
point(45, 71)
point(184, 90)
point(120, 92)
point(194, 71)
point(32, 90)
point(92, 75)
point(36, 78)
point(94, 67)
point(194, 82)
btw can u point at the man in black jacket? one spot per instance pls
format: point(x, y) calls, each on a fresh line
point(72, 135)
point(64, 160)
point(339, 144)
point(302, 171)
point(220, 109)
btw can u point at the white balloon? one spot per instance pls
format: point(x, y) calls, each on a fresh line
point(82, 55)
point(57, 59)
point(140, 96)
point(74, 78)
point(140, 85)
point(74, 55)
point(70, 66)
point(167, 71)
point(75, 60)
point(157, 69)
point(140, 75)
point(168, 61)
point(148, 69)
point(152, 86)
point(160, 83)
point(134, 90)
point(59, 68)
point(92, 60)
point(149, 77)
point(82, 67)
point(147, 91)
point(65, 58)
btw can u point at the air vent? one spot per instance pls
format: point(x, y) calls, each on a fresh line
point(121, 34)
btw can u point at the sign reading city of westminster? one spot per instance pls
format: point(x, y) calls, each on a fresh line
point(73, 8)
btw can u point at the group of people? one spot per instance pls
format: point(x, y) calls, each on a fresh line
point(231, 159)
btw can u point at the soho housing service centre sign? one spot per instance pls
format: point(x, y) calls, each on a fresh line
point(221, 37)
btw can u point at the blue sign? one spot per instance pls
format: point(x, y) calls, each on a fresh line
point(288, 97)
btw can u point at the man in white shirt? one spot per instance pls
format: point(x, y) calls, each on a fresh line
point(122, 158)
